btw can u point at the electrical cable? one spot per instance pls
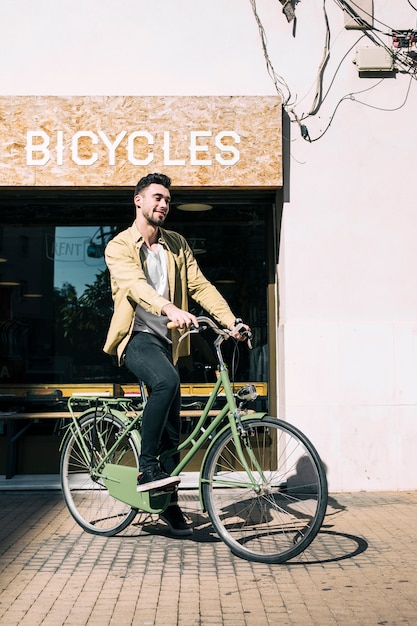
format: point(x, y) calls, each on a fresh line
point(326, 55)
point(403, 62)
point(342, 30)
point(304, 117)
point(347, 6)
point(351, 96)
point(373, 106)
point(278, 80)
point(408, 65)
point(339, 66)
point(319, 98)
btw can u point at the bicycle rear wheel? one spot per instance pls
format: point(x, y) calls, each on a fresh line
point(86, 496)
point(275, 517)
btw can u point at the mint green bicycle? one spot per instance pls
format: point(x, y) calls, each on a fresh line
point(262, 482)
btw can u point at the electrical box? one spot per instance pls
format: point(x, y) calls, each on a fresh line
point(364, 9)
point(373, 60)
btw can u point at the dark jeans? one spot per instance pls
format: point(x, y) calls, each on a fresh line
point(149, 358)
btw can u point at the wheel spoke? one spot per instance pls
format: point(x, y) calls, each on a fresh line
point(86, 496)
point(276, 512)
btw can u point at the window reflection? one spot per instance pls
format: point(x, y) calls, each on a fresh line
point(55, 304)
point(78, 254)
point(55, 299)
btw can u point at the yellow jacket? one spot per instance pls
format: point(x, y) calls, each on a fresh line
point(130, 287)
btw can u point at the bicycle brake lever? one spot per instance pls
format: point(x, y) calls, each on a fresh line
point(248, 337)
point(249, 340)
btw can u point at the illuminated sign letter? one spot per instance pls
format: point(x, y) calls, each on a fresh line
point(37, 147)
point(74, 148)
point(111, 146)
point(60, 147)
point(131, 148)
point(195, 147)
point(167, 150)
point(226, 148)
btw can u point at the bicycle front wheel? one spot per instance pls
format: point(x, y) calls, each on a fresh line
point(86, 496)
point(273, 514)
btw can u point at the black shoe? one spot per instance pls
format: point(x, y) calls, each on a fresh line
point(173, 516)
point(156, 481)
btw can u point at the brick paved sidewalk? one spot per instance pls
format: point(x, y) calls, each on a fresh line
point(360, 570)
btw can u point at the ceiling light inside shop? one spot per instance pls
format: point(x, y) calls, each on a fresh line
point(194, 206)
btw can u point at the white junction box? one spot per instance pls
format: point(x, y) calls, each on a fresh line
point(364, 9)
point(373, 60)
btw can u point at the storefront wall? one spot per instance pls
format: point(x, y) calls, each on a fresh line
point(348, 297)
point(68, 168)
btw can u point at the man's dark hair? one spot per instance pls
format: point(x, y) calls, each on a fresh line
point(156, 177)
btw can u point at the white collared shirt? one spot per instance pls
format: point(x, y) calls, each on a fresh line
point(156, 271)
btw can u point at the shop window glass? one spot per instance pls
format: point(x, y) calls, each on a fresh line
point(55, 300)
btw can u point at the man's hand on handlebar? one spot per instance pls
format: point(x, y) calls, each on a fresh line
point(179, 317)
point(240, 331)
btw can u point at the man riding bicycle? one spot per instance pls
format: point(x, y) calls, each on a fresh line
point(153, 273)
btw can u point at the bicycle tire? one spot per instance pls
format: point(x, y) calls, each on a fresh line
point(276, 518)
point(86, 497)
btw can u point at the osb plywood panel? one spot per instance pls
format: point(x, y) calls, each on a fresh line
point(112, 141)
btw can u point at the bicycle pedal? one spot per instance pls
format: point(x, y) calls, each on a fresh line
point(154, 493)
point(163, 491)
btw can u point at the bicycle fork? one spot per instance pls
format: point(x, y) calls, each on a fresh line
point(242, 442)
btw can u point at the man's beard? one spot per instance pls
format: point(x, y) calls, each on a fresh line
point(156, 222)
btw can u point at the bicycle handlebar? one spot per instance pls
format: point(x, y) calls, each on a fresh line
point(206, 321)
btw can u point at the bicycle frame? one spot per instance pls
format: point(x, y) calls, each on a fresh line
point(104, 403)
point(262, 482)
point(121, 480)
